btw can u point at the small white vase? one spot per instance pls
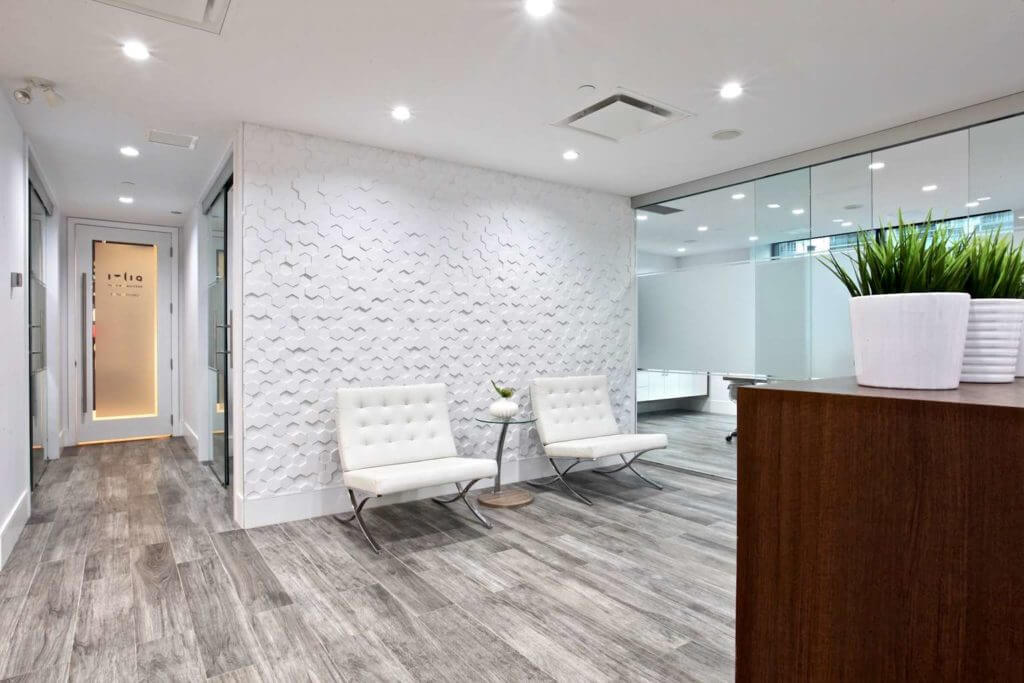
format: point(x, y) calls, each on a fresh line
point(504, 408)
point(993, 340)
point(909, 341)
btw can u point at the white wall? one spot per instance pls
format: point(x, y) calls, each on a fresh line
point(194, 408)
point(369, 267)
point(14, 437)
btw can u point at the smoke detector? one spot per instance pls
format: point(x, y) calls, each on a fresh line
point(621, 116)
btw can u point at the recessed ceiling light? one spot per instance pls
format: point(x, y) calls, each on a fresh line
point(753, 238)
point(984, 199)
point(739, 195)
point(847, 224)
point(125, 199)
point(726, 134)
point(876, 165)
point(837, 220)
point(176, 212)
point(129, 151)
point(774, 206)
point(971, 205)
point(702, 228)
point(681, 249)
point(641, 217)
point(539, 8)
point(401, 113)
point(133, 49)
point(570, 155)
point(929, 188)
point(731, 90)
point(797, 212)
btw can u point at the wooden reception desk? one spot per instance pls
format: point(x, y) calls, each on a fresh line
point(880, 533)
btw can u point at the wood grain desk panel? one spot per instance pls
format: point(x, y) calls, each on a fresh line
point(880, 533)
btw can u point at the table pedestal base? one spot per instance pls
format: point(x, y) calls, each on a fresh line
point(509, 498)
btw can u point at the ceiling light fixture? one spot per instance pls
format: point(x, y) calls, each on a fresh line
point(539, 8)
point(797, 212)
point(971, 205)
point(133, 49)
point(753, 238)
point(984, 199)
point(129, 151)
point(837, 220)
point(726, 134)
point(739, 195)
point(847, 224)
point(570, 155)
point(641, 217)
point(731, 90)
point(125, 199)
point(774, 206)
point(702, 228)
point(929, 188)
point(681, 249)
point(876, 165)
point(401, 113)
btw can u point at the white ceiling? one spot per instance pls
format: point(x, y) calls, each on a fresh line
point(485, 80)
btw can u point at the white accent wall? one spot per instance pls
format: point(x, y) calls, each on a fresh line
point(367, 267)
point(14, 418)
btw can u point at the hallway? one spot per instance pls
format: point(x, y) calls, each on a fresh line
point(131, 569)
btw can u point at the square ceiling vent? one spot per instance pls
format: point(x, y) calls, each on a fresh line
point(207, 15)
point(621, 116)
point(162, 137)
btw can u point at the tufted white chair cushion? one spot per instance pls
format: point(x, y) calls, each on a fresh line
point(380, 426)
point(570, 408)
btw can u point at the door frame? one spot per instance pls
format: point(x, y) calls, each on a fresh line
point(73, 360)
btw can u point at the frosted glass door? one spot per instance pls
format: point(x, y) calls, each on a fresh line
point(126, 317)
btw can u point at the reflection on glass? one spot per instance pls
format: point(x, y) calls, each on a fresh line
point(782, 287)
point(36, 339)
point(921, 177)
point(997, 173)
point(124, 330)
point(218, 331)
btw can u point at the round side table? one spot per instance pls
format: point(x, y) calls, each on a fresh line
point(513, 498)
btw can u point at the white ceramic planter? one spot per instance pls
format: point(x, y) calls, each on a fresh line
point(504, 408)
point(993, 340)
point(909, 341)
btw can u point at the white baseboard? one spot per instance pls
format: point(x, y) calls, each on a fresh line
point(191, 438)
point(334, 500)
point(12, 526)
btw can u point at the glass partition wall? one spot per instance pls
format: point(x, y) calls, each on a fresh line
point(218, 331)
point(730, 286)
point(36, 338)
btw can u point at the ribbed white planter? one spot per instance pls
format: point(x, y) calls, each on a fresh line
point(909, 341)
point(993, 340)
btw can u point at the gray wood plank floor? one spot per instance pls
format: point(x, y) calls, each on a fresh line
point(131, 569)
point(696, 441)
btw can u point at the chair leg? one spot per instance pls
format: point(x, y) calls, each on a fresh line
point(560, 477)
point(628, 464)
point(462, 494)
point(357, 509)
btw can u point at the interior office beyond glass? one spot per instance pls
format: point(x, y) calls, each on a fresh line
point(730, 281)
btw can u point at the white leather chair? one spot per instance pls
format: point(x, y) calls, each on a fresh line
point(394, 439)
point(575, 422)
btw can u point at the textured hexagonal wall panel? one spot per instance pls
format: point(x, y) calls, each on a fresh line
point(369, 267)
